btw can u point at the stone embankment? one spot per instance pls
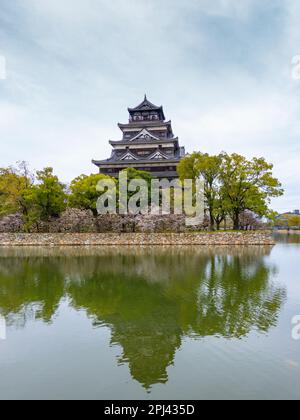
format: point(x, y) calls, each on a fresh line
point(135, 239)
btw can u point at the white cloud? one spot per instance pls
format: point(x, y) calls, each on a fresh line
point(43, 140)
point(10, 116)
point(250, 124)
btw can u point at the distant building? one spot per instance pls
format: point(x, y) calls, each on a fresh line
point(291, 213)
point(283, 220)
point(147, 144)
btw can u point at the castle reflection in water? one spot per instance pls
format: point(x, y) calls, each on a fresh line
point(150, 298)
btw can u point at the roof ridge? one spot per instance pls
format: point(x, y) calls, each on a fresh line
point(158, 140)
point(143, 103)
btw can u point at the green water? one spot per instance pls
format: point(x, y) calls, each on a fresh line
point(150, 323)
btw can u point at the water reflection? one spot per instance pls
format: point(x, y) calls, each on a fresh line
point(287, 238)
point(150, 298)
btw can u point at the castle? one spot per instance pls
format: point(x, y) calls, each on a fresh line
point(148, 144)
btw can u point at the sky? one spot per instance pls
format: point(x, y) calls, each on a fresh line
point(226, 71)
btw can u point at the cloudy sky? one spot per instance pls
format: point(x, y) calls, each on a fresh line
point(222, 69)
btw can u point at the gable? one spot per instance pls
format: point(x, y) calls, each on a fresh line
point(128, 156)
point(145, 135)
point(158, 155)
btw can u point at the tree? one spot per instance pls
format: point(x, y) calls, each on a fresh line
point(220, 211)
point(9, 191)
point(136, 174)
point(203, 165)
point(293, 221)
point(247, 185)
point(139, 175)
point(84, 194)
point(272, 219)
point(232, 185)
point(14, 181)
point(188, 166)
point(281, 222)
point(250, 221)
point(19, 194)
point(47, 198)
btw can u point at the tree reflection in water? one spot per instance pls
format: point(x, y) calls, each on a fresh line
point(150, 298)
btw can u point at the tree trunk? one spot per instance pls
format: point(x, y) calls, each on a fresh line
point(212, 221)
point(236, 222)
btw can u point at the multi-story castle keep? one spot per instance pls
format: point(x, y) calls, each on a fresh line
point(148, 144)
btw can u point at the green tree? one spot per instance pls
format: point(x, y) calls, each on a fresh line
point(47, 198)
point(188, 166)
point(247, 185)
point(136, 174)
point(232, 184)
point(14, 181)
point(220, 210)
point(293, 221)
point(203, 165)
point(281, 222)
point(272, 219)
point(84, 194)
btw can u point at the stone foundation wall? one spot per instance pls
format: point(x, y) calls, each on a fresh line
point(12, 223)
point(136, 239)
point(83, 221)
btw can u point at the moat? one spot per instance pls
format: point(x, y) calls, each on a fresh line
point(150, 322)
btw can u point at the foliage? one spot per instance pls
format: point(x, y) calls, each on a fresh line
point(47, 198)
point(138, 175)
point(247, 185)
point(234, 187)
point(14, 182)
point(208, 167)
point(232, 184)
point(293, 221)
point(84, 194)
